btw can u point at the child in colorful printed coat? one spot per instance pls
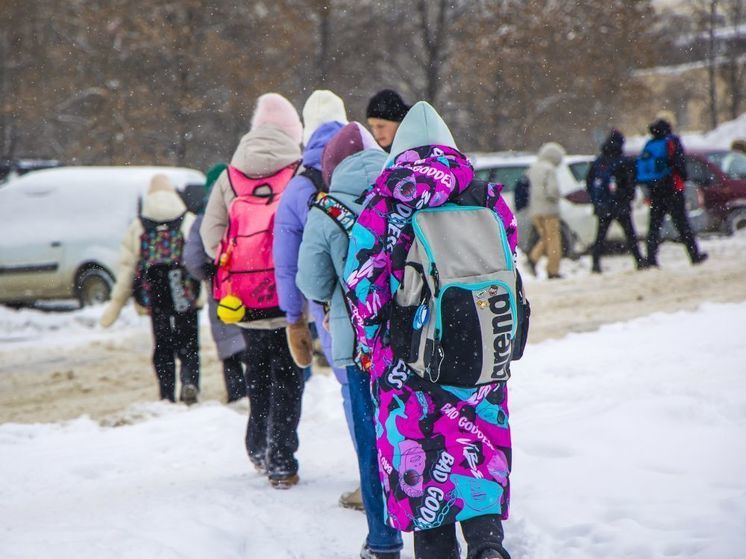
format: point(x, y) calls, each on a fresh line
point(444, 452)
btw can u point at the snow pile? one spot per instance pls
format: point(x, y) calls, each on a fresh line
point(28, 326)
point(719, 138)
point(628, 443)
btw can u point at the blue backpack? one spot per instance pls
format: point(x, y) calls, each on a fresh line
point(653, 163)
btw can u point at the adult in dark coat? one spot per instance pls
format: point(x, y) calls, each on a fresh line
point(611, 185)
point(667, 195)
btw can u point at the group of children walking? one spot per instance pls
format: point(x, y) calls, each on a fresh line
point(405, 264)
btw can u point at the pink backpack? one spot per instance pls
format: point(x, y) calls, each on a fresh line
point(245, 266)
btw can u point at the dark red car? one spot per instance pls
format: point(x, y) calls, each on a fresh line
point(718, 181)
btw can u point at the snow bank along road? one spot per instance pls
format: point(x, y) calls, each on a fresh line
point(60, 366)
point(628, 442)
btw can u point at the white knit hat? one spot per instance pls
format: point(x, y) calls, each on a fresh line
point(322, 106)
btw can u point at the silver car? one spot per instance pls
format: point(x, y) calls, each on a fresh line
point(62, 228)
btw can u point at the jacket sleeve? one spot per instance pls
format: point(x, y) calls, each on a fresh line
point(289, 223)
point(129, 254)
point(194, 252)
point(551, 185)
point(316, 276)
point(216, 216)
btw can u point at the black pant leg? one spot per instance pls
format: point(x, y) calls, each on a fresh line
point(163, 353)
point(681, 222)
point(186, 331)
point(233, 374)
point(287, 396)
point(259, 389)
point(658, 209)
point(483, 533)
point(437, 543)
point(625, 220)
point(604, 221)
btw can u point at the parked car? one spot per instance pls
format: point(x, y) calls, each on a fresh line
point(578, 223)
point(718, 180)
point(12, 168)
point(62, 228)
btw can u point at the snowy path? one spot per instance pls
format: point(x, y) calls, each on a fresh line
point(628, 443)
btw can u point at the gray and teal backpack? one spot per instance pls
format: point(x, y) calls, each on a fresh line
point(460, 315)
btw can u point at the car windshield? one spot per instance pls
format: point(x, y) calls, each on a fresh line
point(732, 163)
point(580, 170)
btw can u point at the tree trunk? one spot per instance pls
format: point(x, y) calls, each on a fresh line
point(712, 66)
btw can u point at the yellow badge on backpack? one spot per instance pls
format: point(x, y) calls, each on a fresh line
point(231, 309)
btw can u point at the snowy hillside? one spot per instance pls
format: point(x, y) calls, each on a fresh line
point(628, 443)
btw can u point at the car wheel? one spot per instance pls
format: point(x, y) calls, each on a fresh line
point(736, 223)
point(93, 286)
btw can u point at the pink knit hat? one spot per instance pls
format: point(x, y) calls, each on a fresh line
point(272, 109)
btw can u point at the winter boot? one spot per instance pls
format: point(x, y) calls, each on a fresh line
point(283, 480)
point(701, 257)
point(366, 553)
point(352, 500)
point(492, 554)
point(189, 393)
point(260, 463)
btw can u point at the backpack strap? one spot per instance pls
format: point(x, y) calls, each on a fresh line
point(343, 216)
point(314, 175)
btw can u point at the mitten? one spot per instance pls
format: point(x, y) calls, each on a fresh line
point(111, 313)
point(301, 345)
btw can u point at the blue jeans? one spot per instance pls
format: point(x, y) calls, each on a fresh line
point(381, 537)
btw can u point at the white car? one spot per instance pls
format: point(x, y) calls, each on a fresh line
point(61, 229)
point(576, 211)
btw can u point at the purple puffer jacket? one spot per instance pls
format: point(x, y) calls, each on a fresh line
point(444, 452)
point(289, 223)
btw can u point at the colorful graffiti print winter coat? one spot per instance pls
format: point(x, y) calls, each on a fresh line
point(444, 452)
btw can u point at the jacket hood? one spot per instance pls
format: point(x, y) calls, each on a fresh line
point(317, 143)
point(356, 173)
point(660, 128)
point(614, 143)
point(321, 106)
point(422, 126)
point(351, 139)
point(552, 153)
point(264, 151)
point(162, 205)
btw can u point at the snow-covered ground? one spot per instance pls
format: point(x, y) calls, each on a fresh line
point(628, 443)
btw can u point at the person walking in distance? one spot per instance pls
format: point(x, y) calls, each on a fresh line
point(544, 208)
point(238, 230)
point(611, 185)
point(152, 270)
point(662, 167)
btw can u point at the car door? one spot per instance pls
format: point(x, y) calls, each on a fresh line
point(30, 252)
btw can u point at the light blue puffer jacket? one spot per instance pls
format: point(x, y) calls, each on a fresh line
point(324, 248)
